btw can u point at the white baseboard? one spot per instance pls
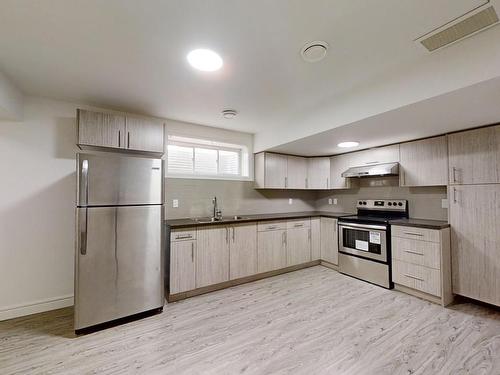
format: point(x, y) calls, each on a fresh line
point(48, 304)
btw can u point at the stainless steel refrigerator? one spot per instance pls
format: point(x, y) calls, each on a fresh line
point(119, 257)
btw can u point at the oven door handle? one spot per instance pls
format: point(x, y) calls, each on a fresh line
point(362, 226)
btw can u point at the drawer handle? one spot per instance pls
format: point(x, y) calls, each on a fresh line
point(414, 277)
point(414, 234)
point(298, 225)
point(271, 227)
point(413, 252)
point(184, 237)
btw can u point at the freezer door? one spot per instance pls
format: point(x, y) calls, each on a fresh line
point(119, 263)
point(104, 180)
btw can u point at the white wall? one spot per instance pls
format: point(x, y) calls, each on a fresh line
point(37, 195)
point(11, 100)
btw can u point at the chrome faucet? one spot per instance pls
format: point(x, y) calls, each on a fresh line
point(217, 214)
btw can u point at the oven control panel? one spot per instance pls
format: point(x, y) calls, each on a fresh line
point(383, 204)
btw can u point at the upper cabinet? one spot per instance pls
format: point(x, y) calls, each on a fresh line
point(100, 129)
point(96, 129)
point(144, 134)
point(378, 155)
point(270, 170)
point(296, 172)
point(424, 162)
point(339, 164)
point(474, 156)
point(318, 173)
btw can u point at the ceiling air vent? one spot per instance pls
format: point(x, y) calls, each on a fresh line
point(461, 28)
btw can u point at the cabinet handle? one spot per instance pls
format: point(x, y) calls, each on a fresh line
point(119, 138)
point(454, 170)
point(413, 252)
point(128, 139)
point(271, 227)
point(227, 235)
point(309, 234)
point(414, 277)
point(183, 237)
point(233, 233)
point(298, 225)
point(192, 251)
point(283, 241)
point(414, 234)
point(403, 178)
point(454, 195)
point(286, 181)
point(286, 239)
point(327, 184)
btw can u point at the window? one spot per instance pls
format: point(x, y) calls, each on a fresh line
point(189, 157)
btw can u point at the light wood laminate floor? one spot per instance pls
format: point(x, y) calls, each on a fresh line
point(313, 321)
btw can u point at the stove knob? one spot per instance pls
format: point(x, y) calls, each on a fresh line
point(400, 204)
point(394, 204)
point(364, 203)
point(389, 204)
point(360, 203)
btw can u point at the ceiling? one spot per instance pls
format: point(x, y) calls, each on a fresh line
point(131, 55)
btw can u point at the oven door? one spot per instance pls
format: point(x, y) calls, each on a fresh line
point(363, 240)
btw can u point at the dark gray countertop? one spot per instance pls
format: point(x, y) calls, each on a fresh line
point(185, 223)
point(421, 223)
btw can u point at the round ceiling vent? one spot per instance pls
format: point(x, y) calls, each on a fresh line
point(314, 51)
point(229, 113)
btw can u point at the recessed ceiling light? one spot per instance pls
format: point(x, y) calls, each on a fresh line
point(229, 113)
point(348, 144)
point(205, 60)
point(314, 51)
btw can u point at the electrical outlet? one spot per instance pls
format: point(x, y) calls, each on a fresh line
point(290, 201)
point(175, 203)
point(444, 203)
point(335, 201)
point(330, 201)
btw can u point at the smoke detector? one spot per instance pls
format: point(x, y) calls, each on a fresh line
point(229, 113)
point(314, 51)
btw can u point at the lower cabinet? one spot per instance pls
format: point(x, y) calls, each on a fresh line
point(315, 238)
point(271, 250)
point(182, 266)
point(298, 242)
point(329, 240)
point(212, 255)
point(242, 250)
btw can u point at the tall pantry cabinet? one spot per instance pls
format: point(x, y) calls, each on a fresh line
point(474, 175)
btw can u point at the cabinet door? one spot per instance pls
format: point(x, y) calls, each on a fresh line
point(475, 240)
point(182, 266)
point(378, 155)
point(101, 129)
point(318, 173)
point(296, 172)
point(424, 162)
point(475, 156)
point(144, 134)
point(315, 238)
point(298, 246)
point(275, 171)
point(212, 255)
point(271, 250)
point(243, 250)
point(329, 240)
point(339, 164)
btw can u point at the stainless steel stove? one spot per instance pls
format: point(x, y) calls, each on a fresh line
point(365, 240)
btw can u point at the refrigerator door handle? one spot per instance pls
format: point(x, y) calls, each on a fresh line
point(85, 180)
point(83, 232)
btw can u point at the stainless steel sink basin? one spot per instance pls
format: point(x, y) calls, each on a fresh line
point(204, 220)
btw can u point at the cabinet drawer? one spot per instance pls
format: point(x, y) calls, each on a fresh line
point(302, 223)
point(421, 234)
point(421, 278)
point(183, 234)
point(271, 225)
point(422, 253)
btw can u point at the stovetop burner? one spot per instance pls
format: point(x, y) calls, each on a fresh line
point(378, 211)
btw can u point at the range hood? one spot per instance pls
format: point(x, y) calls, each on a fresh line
point(386, 169)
